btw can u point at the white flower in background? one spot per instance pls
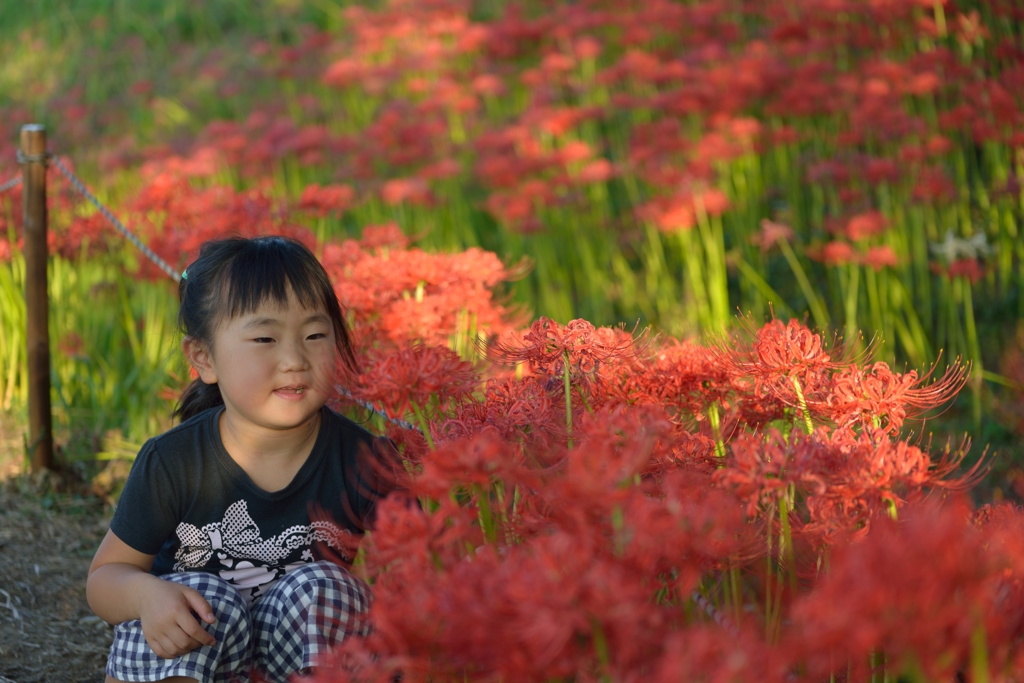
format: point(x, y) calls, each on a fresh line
point(954, 248)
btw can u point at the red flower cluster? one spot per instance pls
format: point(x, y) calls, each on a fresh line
point(641, 550)
point(403, 294)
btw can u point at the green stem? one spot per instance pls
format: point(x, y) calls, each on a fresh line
point(787, 542)
point(852, 292)
point(695, 274)
point(768, 605)
point(940, 17)
point(568, 395)
point(483, 500)
point(975, 351)
point(770, 295)
point(424, 427)
point(601, 648)
point(737, 593)
point(817, 310)
point(979, 655)
point(803, 405)
point(716, 428)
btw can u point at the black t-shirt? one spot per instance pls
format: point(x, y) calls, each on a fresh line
point(190, 504)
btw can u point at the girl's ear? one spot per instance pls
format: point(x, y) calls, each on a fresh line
point(199, 356)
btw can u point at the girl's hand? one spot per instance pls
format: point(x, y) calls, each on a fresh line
point(120, 588)
point(168, 619)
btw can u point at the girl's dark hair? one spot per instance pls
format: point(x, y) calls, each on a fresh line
point(235, 276)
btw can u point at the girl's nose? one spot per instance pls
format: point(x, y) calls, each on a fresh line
point(293, 357)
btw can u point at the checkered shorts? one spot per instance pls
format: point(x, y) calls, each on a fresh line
point(307, 611)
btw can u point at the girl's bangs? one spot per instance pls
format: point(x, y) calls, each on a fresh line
point(262, 274)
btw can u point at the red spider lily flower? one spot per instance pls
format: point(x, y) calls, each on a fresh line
point(345, 72)
point(488, 85)
point(71, 345)
point(321, 201)
point(686, 523)
point(379, 287)
point(412, 190)
point(938, 145)
point(405, 534)
point(547, 345)
point(760, 470)
point(397, 379)
point(618, 443)
point(771, 232)
point(520, 410)
point(923, 83)
point(878, 171)
point(597, 171)
point(575, 151)
point(407, 320)
point(445, 168)
point(964, 267)
point(780, 354)
point(514, 210)
point(669, 215)
point(880, 257)
point(864, 225)
point(387, 235)
point(933, 185)
point(467, 462)
point(556, 62)
point(879, 397)
point(587, 47)
point(713, 201)
point(834, 254)
point(682, 376)
point(94, 231)
point(947, 588)
point(191, 216)
point(549, 595)
point(412, 442)
point(969, 28)
point(711, 654)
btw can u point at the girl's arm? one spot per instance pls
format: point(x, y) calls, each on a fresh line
point(120, 588)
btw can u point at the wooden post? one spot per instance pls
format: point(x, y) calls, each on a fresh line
point(40, 421)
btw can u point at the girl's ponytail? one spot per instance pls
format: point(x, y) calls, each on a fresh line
point(197, 397)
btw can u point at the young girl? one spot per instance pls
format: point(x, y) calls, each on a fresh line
point(210, 568)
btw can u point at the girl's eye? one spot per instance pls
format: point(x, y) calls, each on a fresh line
point(263, 340)
point(318, 335)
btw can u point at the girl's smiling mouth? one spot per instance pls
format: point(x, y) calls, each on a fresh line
point(291, 393)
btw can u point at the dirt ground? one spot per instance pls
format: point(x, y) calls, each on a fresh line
point(47, 538)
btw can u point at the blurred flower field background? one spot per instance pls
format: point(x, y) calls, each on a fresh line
point(694, 303)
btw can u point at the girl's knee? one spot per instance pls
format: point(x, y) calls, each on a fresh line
point(320, 594)
point(308, 611)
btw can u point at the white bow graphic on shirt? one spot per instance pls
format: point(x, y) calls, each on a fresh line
point(237, 535)
point(238, 538)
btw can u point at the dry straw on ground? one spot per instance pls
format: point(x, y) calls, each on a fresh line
point(47, 632)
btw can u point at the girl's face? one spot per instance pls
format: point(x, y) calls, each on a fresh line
point(274, 366)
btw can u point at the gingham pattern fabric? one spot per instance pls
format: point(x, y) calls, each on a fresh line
point(307, 611)
point(132, 659)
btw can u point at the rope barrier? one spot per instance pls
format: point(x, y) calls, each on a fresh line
point(80, 186)
point(10, 183)
point(373, 409)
